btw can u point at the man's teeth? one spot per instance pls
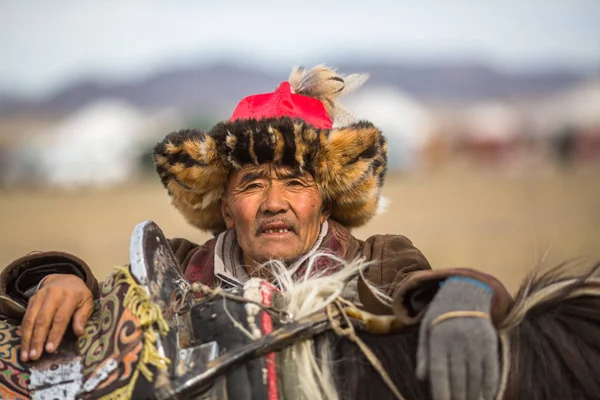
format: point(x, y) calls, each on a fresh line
point(276, 230)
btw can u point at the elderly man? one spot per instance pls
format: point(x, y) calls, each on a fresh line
point(286, 178)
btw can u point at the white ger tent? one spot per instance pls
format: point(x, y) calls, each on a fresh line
point(99, 144)
point(406, 123)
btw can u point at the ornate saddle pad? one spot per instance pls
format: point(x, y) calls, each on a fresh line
point(115, 358)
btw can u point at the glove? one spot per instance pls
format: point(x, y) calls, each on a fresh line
point(458, 345)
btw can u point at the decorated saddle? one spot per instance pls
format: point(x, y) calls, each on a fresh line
point(149, 334)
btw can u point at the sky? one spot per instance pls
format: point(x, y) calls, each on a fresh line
point(46, 44)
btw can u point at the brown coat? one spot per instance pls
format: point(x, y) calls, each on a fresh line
point(399, 268)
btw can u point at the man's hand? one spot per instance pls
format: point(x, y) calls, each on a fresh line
point(49, 312)
point(458, 345)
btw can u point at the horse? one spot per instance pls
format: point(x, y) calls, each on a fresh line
point(154, 335)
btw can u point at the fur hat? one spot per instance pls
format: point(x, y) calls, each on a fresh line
point(300, 125)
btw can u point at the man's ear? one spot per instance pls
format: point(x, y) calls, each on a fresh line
point(325, 211)
point(227, 214)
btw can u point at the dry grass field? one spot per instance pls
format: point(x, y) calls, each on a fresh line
point(485, 220)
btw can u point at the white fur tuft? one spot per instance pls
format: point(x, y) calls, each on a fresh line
point(312, 377)
point(382, 205)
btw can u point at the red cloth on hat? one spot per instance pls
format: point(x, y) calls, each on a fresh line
point(283, 103)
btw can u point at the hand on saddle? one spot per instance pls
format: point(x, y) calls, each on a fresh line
point(59, 299)
point(458, 345)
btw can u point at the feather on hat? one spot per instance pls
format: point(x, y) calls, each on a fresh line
point(301, 125)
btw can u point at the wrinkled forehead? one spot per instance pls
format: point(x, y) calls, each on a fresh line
point(249, 172)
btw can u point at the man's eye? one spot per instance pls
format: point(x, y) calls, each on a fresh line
point(252, 186)
point(295, 183)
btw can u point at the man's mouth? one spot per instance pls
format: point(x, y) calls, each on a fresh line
point(283, 230)
point(275, 228)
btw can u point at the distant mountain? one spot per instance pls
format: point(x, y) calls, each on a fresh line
point(468, 82)
point(214, 91)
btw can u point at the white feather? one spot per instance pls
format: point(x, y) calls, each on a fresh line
point(353, 82)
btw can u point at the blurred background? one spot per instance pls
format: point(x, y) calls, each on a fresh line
point(491, 110)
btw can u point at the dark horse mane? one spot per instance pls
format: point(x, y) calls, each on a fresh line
point(553, 337)
point(550, 345)
point(355, 378)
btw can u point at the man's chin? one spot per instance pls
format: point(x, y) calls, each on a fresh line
point(281, 249)
point(284, 256)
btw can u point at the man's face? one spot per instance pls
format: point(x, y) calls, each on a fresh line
point(277, 212)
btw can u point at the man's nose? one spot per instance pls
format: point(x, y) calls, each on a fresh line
point(275, 200)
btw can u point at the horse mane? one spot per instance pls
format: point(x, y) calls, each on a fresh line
point(330, 366)
point(551, 337)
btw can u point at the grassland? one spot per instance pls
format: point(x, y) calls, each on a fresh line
point(498, 223)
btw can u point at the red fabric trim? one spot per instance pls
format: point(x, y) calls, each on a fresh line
point(266, 290)
point(283, 103)
point(201, 267)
